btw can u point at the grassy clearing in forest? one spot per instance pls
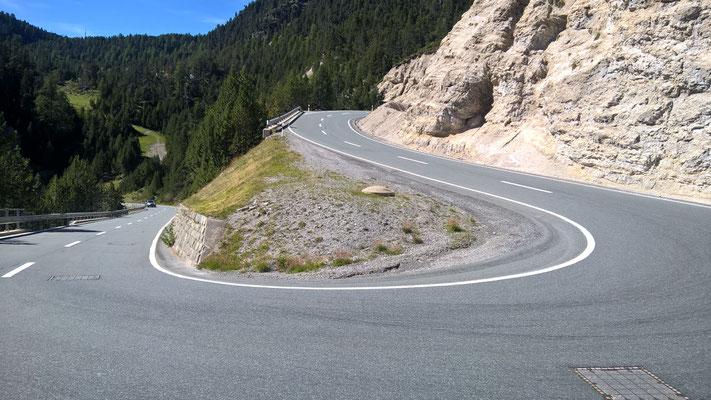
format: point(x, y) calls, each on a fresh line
point(148, 138)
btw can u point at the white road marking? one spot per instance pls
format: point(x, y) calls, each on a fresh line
point(130, 223)
point(18, 270)
point(345, 113)
point(330, 115)
point(320, 125)
point(100, 233)
point(321, 119)
point(524, 186)
point(324, 132)
point(118, 227)
point(72, 243)
point(688, 203)
point(589, 248)
point(352, 144)
point(410, 159)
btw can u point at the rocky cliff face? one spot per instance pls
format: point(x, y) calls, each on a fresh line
point(609, 91)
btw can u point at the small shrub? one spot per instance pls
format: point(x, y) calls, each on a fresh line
point(472, 220)
point(461, 241)
point(416, 240)
point(262, 267)
point(260, 224)
point(342, 257)
point(380, 246)
point(319, 239)
point(168, 237)
point(407, 227)
point(302, 224)
point(296, 264)
point(453, 226)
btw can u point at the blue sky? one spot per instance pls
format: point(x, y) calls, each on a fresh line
point(108, 18)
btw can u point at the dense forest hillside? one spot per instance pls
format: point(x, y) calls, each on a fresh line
point(272, 56)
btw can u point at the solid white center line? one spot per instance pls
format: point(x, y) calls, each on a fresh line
point(352, 144)
point(410, 159)
point(18, 270)
point(72, 243)
point(524, 186)
point(324, 132)
point(100, 233)
point(118, 227)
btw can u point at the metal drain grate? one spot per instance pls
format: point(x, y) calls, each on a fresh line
point(628, 383)
point(74, 277)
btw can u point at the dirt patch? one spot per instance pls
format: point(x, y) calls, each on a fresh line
point(157, 149)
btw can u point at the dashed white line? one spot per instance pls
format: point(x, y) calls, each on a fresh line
point(352, 144)
point(330, 115)
point(130, 223)
point(72, 243)
point(324, 132)
point(470, 163)
point(118, 227)
point(18, 270)
point(320, 125)
point(321, 119)
point(410, 159)
point(100, 233)
point(526, 187)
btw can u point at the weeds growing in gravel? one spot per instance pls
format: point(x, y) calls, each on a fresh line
point(453, 225)
point(407, 227)
point(343, 257)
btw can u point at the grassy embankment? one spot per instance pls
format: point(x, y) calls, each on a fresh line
point(269, 164)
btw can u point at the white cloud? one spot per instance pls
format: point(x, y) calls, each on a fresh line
point(70, 29)
point(213, 20)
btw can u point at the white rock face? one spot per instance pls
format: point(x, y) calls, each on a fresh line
point(609, 91)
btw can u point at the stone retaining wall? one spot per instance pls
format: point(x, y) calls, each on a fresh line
point(196, 236)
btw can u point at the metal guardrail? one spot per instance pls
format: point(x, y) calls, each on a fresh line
point(65, 216)
point(5, 212)
point(280, 118)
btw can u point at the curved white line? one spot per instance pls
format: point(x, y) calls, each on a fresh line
point(589, 248)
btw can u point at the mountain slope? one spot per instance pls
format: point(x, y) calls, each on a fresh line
point(611, 92)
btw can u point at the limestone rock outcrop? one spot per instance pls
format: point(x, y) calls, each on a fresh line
point(608, 91)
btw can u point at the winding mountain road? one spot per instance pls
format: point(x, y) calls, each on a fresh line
point(625, 281)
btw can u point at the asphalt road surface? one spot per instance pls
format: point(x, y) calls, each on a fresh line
point(626, 282)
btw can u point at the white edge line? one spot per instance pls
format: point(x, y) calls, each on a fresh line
point(352, 144)
point(18, 270)
point(589, 248)
point(324, 132)
point(72, 243)
point(688, 203)
point(100, 233)
point(526, 187)
point(410, 159)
